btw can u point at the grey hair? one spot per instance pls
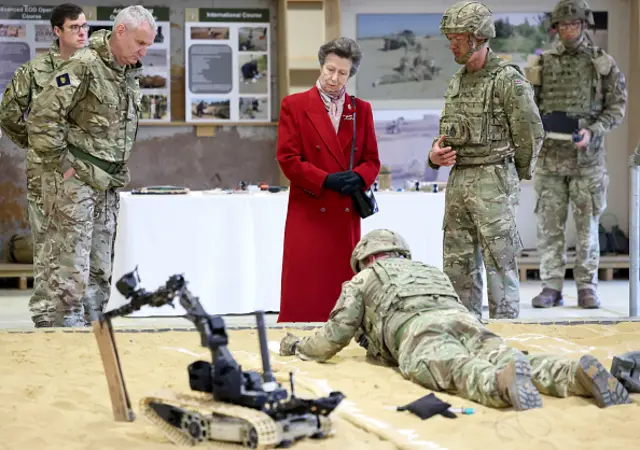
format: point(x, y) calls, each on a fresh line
point(343, 47)
point(134, 17)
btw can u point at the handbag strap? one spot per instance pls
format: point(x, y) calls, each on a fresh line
point(353, 140)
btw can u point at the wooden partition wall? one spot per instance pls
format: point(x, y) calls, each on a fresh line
point(303, 26)
point(633, 77)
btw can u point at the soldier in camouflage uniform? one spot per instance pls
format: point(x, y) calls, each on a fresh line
point(82, 126)
point(70, 26)
point(407, 314)
point(491, 133)
point(577, 78)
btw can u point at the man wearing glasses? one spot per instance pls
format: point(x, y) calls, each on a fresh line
point(70, 27)
point(582, 96)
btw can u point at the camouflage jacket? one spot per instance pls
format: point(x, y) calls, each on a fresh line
point(586, 84)
point(610, 97)
point(376, 303)
point(87, 116)
point(28, 81)
point(491, 114)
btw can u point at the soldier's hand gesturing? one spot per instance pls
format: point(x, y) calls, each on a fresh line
point(442, 156)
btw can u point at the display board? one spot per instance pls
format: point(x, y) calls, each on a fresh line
point(227, 65)
point(25, 31)
point(408, 63)
point(155, 82)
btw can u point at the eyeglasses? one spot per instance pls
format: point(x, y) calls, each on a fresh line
point(75, 29)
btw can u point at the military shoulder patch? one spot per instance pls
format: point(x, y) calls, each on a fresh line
point(63, 80)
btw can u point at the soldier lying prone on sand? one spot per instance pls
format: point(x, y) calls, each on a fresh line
point(407, 314)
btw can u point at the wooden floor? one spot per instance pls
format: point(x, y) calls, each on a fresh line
point(530, 261)
point(23, 272)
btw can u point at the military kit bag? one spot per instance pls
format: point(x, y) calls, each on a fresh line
point(21, 249)
point(364, 202)
point(612, 240)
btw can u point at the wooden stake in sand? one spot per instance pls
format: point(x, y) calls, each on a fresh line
point(120, 402)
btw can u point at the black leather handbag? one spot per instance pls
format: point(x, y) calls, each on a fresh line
point(363, 200)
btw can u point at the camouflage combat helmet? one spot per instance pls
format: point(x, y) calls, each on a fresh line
point(468, 17)
point(378, 241)
point(571, 10)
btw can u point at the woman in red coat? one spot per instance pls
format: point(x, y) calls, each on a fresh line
point(314, 144)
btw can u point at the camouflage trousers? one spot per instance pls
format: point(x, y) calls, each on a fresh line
point(80, 234)
point(588, 197)
point(451, 351)
point(40, 306)
point(479, 224)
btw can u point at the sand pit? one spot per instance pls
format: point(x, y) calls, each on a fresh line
point(54, 393)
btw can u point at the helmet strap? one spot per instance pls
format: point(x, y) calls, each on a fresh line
point(473, 47)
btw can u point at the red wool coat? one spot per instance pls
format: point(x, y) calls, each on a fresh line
point(322, 227)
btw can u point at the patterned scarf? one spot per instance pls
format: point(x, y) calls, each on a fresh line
point(333, 103)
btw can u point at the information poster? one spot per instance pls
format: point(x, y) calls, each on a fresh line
point(25, 31)
point(228, 65)
point(155, 82)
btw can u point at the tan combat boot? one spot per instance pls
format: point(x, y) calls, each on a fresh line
point(516, 386)
point(588, 299)
point(596, 380)
point(547, 298)
point(42, 322)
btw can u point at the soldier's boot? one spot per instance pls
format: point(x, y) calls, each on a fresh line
point(516, 385)
point(588, 299)
point(547, 298)
point(604, 387)
point(41, 322)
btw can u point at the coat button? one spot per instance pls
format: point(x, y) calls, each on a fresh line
point(347, 210)
point(322, 210)
point(317, 147)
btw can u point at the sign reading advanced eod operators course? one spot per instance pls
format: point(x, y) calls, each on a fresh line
point(25, 31)
point(228, 65)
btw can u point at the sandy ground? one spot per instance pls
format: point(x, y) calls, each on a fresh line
point(54, 393)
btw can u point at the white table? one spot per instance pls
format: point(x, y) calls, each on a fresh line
point(229, 246)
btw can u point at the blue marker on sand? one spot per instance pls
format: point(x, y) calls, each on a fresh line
point(465, 411)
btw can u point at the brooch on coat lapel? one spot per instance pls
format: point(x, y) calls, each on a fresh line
point(347, 117)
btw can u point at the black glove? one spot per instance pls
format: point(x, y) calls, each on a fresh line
point(335, 181)
point(361, 339)
point(352, 183)
point(364, 342)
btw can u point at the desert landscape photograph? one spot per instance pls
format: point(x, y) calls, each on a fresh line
point(404, 140)
point(404, 57)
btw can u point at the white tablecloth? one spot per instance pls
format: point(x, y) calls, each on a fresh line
point(229, 246)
